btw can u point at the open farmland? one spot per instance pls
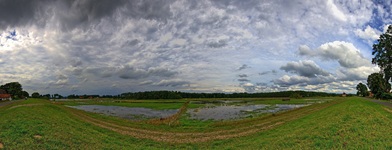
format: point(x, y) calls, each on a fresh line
point(350, 122)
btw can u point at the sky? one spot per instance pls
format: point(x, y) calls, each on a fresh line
point(111, 47)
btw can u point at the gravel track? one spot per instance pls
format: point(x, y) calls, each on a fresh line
point(382, 102)
point(2, 104)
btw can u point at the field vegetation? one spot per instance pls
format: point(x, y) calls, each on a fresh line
point(350, 122)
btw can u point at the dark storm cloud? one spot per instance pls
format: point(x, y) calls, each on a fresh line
point(264, 73)
point(304, 68)
point(132, 42)
point(217, 44)
point(78, 13)
point(128, 72)
point(87, 11)
point(102, 72)
point(239, 4)
point(153, 45)
point(77, 71)
point(150, 9)
point(75, 62)
point(274, 72)
point(242, 75)
point(243, 80)
point(19, 12)
point(261, 84)
point(244, 66)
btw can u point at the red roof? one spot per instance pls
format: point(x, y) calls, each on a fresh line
point(5, 95)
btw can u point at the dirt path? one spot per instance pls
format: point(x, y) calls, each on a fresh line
point(25, 105)
point(2, 104)
point(382, 102)
point(243, 128)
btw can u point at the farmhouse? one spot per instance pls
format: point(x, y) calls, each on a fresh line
point(4, 95)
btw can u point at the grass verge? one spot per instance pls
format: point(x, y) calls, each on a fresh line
point(353, 123)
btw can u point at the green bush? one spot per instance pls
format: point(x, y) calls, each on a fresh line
point(386, 96)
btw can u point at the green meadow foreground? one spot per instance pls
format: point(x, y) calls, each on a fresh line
point(350, 122)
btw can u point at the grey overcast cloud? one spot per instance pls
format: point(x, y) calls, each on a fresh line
point(111, 47)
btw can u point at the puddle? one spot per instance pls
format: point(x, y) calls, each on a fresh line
point(227, 112)
point(134, 113)
point(217, 102)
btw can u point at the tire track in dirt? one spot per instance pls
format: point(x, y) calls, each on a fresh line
point(243, 129)
point(25, 105)
point(173, 119)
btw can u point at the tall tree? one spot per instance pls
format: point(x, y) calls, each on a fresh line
point(13, 88)
point(378, 85)
point(382, 51)
point(25, 94)
point(362, 90)
point(35, 95)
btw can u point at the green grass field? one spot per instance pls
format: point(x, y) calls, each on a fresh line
point(351, 122)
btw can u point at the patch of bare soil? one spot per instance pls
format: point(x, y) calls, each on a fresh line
point(37, 136)
point(25, 105)
point(388, 110)
point(6, 103)
point(382, 102)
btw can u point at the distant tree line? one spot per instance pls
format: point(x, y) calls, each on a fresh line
point(72, 96)
point(180, 95)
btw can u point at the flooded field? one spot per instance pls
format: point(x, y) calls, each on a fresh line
point(207, 110)
point(226, 112)
point(131, 113)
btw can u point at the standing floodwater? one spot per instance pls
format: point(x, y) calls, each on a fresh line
point(226, 112)
point(127, 112)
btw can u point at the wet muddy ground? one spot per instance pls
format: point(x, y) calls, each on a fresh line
point(127, 112)
point(211, 110)
point(226, 112)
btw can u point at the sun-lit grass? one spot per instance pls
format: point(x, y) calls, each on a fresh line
point(356, 124)
point(352, 123)
point(46, 126)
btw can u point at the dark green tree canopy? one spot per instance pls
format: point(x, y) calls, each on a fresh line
point(35, 95)
point(14, 88)
point(382, 51)
point(362, 90)
point(378, 85)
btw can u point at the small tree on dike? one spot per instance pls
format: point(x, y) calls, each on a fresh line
point(35, 95)
point(362, 90)
point(378, 85)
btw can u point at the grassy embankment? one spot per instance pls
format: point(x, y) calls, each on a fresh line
point(342, 123)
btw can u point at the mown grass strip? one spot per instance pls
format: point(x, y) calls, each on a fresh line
point(355, 123)
point(47, 126)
